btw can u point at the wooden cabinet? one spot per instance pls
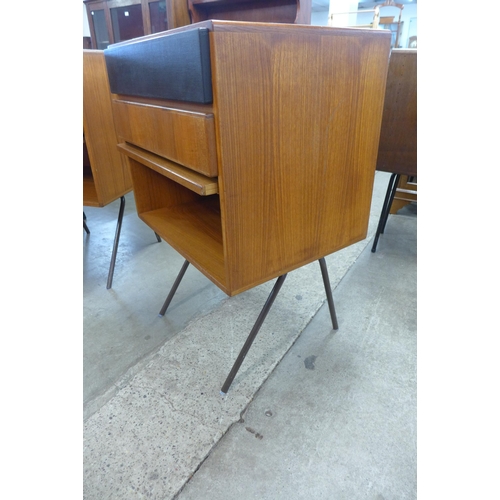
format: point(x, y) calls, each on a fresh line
point(398, 136)
point(275, 168)
point(105, 173)
point(114, 21)
point(397, 152)
point(272, 11)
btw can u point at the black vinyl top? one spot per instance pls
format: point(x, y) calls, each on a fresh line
point(174, 66)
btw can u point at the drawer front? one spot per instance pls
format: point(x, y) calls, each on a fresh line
point(185, 137)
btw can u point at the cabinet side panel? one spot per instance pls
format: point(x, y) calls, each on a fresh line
point(398, 137)
point(298, 123)
point(109, 170)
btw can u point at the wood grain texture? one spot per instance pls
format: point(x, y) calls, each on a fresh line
point(189, 223)
point(406, 193)
point(398, 138)
point(177, 13)
point(298, 119)
point(186, 137)
point(194, 230)
point(193, 181)
point(297, 113)
point(274, 11)
point(110, 175)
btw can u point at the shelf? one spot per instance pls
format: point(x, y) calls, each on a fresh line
point(90, 198)
point(194, 229)
point(198, 183)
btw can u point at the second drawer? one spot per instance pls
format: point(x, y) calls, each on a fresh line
point(186, 137)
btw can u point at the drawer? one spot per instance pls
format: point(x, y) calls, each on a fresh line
point(183, 136)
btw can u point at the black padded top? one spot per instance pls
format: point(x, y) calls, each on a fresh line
point(174, 66)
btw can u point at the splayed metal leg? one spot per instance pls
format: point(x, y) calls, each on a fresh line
point(253, 333)
point(115, 245)
point(386, 208)
point(328, 290)
point(85, 224)
point(174, 288)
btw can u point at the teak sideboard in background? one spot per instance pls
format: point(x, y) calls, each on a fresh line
point(397, 152)
point(113, 21)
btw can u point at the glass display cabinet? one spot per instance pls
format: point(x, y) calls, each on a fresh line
point(114, 21)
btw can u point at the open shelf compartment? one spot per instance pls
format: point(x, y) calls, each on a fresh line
point(188, 222)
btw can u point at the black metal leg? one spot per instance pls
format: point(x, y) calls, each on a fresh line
point(174, 288)
point(386, 208)
point(85, 224)
point(115, 245)
point(158, 237)
point(328, 290)
point(253, 333)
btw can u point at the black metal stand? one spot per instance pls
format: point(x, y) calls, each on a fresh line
point(262, 315)
point(85, 224)
point(253, 333)
point(386, 208)
point(115, 245)
point(328, 290)
point(174, 288)
point(117, 239)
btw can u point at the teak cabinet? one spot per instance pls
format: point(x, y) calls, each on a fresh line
point(273, 11)
point(251, 146)
point(105, 172)
point(397, 152)
point(113, 21)
point(398, 136)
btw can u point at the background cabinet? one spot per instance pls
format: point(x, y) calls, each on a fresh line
point(115, 21)
point(271, 11)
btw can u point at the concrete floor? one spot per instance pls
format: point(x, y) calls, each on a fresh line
point(312, 413)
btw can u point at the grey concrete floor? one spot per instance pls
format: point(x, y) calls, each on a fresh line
point(337, 417)
point(312, 413)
